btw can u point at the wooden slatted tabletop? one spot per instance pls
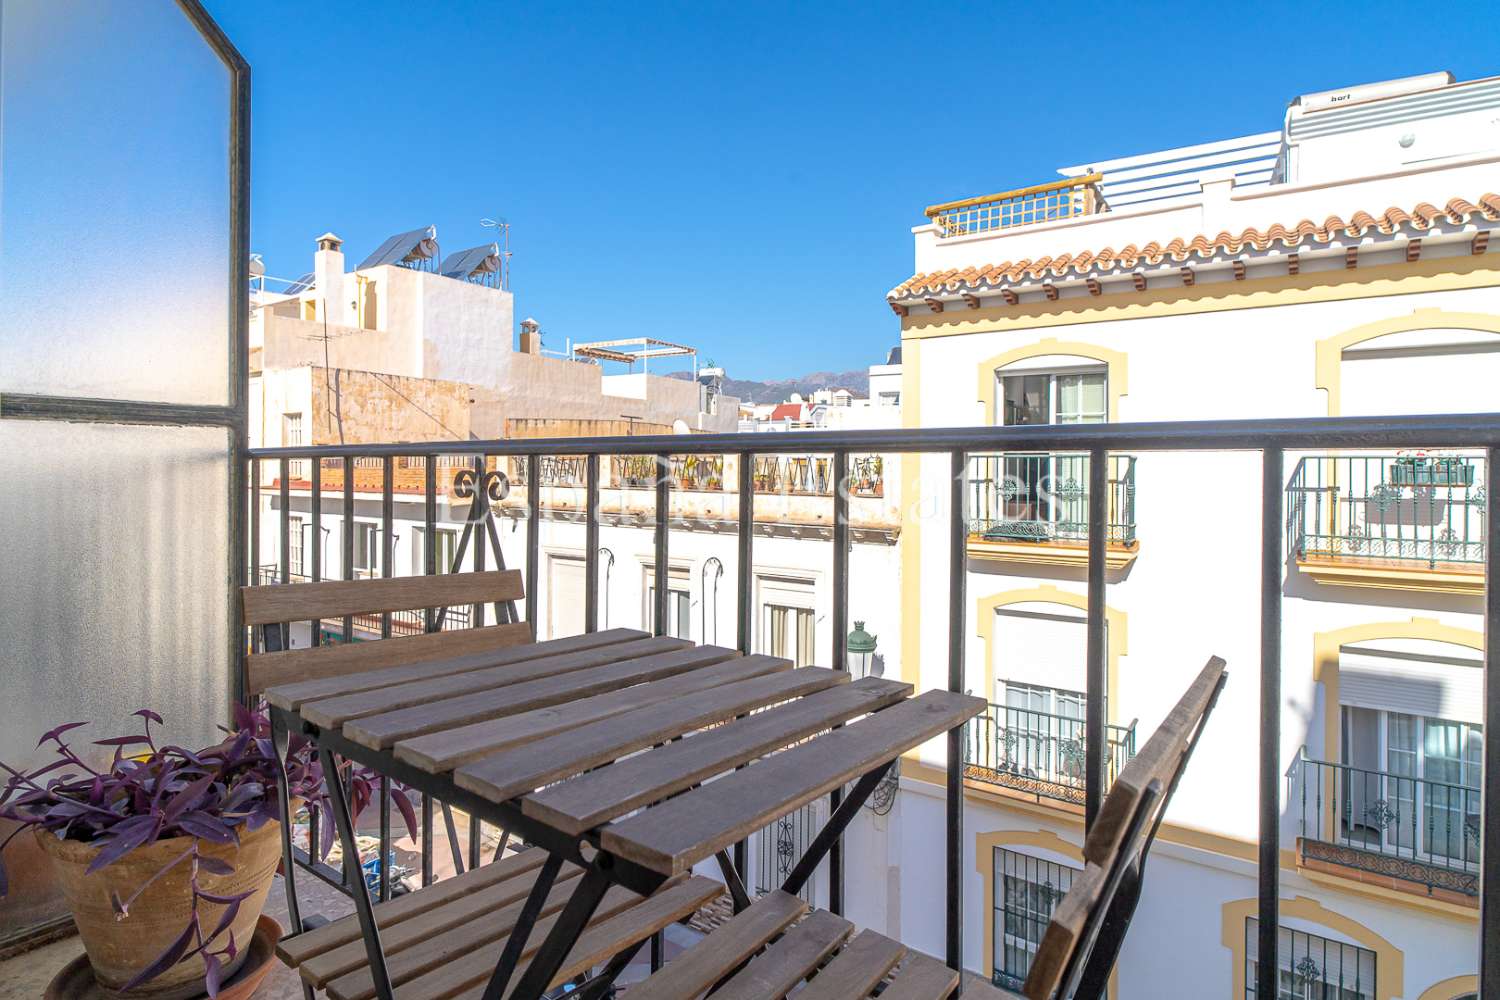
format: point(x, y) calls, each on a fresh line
point(656, 751)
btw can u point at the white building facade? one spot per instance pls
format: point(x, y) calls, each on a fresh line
point(1343, 266)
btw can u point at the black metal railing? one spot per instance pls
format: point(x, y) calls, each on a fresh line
point(1409, 828)
point(1270, 438)
point(1039, 753)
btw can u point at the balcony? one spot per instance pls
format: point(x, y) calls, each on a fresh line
point(1033, 508)
point(1039, 753)
point(1405, 521)
point(1414, 834)
point(1064, 199)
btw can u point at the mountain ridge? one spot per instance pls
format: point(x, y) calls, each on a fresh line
point(777, 390)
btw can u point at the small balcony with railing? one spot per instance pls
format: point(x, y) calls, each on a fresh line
point(1408, 521)
point(1416, 834)
point(1040, 754)
point(1034, 508)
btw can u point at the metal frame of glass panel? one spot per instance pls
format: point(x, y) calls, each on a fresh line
point(233, 415)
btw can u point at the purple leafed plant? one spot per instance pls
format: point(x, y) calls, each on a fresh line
point(150, 793)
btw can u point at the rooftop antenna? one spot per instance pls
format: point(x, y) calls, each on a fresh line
point(501, 226)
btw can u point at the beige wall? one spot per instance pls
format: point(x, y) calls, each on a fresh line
point(371, 408)
point(535, 386)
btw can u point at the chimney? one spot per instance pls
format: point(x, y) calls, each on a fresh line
point(531, 336)
point(328, 271)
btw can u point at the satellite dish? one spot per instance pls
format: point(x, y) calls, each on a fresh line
point(257, 266)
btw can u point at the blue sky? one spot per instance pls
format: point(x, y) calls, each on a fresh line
point(743, 176)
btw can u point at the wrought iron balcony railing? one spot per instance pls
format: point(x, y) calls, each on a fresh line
point(1017, 497)
point(794, 475)
point(1064, 199)
point(1039, 753)
point(1413, 829)
point(1413, 509)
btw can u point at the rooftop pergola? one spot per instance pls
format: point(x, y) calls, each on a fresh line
point(629, 350)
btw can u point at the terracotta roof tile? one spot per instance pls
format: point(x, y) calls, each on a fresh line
point(1422, 217)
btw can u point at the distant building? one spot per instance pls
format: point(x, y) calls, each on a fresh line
point(834, 407)
point(406, 349)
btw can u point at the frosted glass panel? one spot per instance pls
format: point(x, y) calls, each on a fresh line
point(114, 203)
point(113, 579)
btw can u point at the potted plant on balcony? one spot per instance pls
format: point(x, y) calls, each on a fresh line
point(1422, 469)
point(165, 855)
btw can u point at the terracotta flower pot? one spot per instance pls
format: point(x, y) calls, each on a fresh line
point(118, 949)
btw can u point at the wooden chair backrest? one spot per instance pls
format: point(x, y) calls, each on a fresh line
point(291, 602)
point(1073, 951)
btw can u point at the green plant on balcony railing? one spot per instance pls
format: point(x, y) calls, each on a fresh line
point(1421, 470)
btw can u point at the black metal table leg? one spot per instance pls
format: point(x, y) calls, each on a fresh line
point(540, 889)
point(566, 931)
point(833, 829)
point(733, 882)
point(281, 746)
point(358, 889)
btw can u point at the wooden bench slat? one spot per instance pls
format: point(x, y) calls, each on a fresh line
point(775, 971)
point(299, 948)
point(378, 732)
point(1156, 761)
point(428, 959)
point(606, 938)
point(856, 970)
point(584, 802)
point(287, 602)
point(690, 975)
point(921, 977)
point(335, 711)
point(977, 987)
point(451, 916)
point(472, 970)
point(351, 667)
point(675, 834)
point(1065, 932)
point(267, 670)
point(443, 751)
point(524, 768)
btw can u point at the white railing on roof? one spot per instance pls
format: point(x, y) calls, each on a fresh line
point(1177, 173)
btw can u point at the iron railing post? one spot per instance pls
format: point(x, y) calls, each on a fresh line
point(1489, 853)
point(957, 599)
point(1096, 682)
point(533, 539)
point(659, 558)
point(1269, 874)
point(348, 539)
point(316, 521)
point(591, 544)
point(840, 620)
point(744, 595)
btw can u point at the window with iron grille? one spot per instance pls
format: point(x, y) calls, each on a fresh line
point(1027, 890)
point(1312, 967)
point(291, 437)
point(296, 544)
